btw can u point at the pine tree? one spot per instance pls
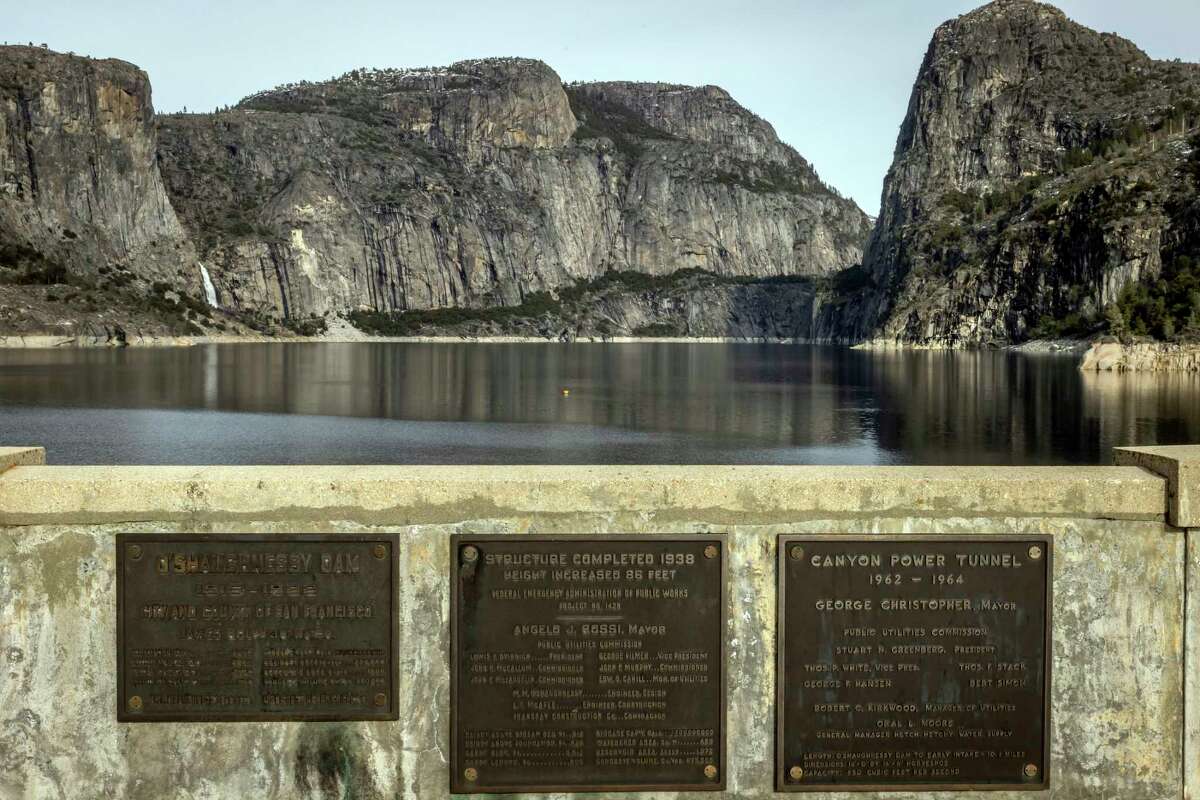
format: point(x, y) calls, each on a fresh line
point(1117, 326)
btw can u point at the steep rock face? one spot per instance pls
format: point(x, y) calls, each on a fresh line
point(712, 187)
point(705, 114)
point(1041, 167)
point(304, 214)
point(79, 185)
point(472, 107)
point(684, 304)
point(723, 311)
point(480, 183)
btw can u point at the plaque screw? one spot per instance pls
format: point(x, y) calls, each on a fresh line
point(135, 703)
point(471, 774)
point(710, 551)
point(135, 551)
point(380, 551)
point(470, 553)
point(1035, 553)
point(796, 773)
point(381, 699)
point(1031, 770)
point(710, 772)
point(797, 553)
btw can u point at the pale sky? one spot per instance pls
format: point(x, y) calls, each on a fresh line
point(832, 77)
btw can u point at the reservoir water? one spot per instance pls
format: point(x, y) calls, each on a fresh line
point(485, 403)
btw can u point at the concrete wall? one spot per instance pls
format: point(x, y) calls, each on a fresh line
point(1122, 632)
point(1191, 747)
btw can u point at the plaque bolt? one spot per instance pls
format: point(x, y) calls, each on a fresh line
point(380, 551)
point(135, 703)
point(135, 551)
point(797, 553)
point(1035, 553)
point(470, 553)
point(471, 774)
point(796, 773)
point(381, 699)
point(710, 772)
point(1031, 770)
point(710, 551)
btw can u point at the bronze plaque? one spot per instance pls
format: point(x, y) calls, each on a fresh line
point(587, 663)
point(913, 663)
point(228, 627)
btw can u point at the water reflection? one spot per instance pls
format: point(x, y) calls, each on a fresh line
point(492, 403)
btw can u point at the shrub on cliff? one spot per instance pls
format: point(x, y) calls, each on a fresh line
point(963, 202)
point(1077, 157)
point(1192, 166)
point(601, 118)
point(24, 265)
point(313, 326)
point(657, 330)
point(411, 323)
point(1167, 308)
point(852, 279)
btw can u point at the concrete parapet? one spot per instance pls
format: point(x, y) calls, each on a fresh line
point(562, 496)
point(1124, 691)
point(1180, 465)
point(21, 457)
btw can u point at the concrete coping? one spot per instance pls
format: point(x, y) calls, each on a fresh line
point(1180, 465)
point(21, 456)
point(722, 495)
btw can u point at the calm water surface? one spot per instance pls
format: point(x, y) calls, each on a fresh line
point(627, 403)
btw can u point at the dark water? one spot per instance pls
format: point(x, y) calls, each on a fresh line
point(628, 403)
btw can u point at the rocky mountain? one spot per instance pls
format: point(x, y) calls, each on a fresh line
point(79, 182)
point(484, 182)
point(1046, 183)
point(476, 186)
point(1042, 169)
point(81, 196)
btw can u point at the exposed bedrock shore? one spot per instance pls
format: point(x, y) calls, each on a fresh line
point(1141, 357)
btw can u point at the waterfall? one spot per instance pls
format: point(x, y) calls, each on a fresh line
point(210, 291)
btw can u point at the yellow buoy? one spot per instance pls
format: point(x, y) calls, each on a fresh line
point(566, 392)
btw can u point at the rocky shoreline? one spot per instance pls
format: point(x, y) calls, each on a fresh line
point(1141, 357)
point(1100, 356)
point(18, 342)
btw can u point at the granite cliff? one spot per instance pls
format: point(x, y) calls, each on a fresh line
point(79, 181)
point(82, 201)
point(1046, 183)
point(484, 182)
point(474, 186)
point(1043, 169)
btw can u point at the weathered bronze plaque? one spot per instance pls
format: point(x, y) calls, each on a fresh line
point(587, 663)
point(228, 627)
point(913, 663)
